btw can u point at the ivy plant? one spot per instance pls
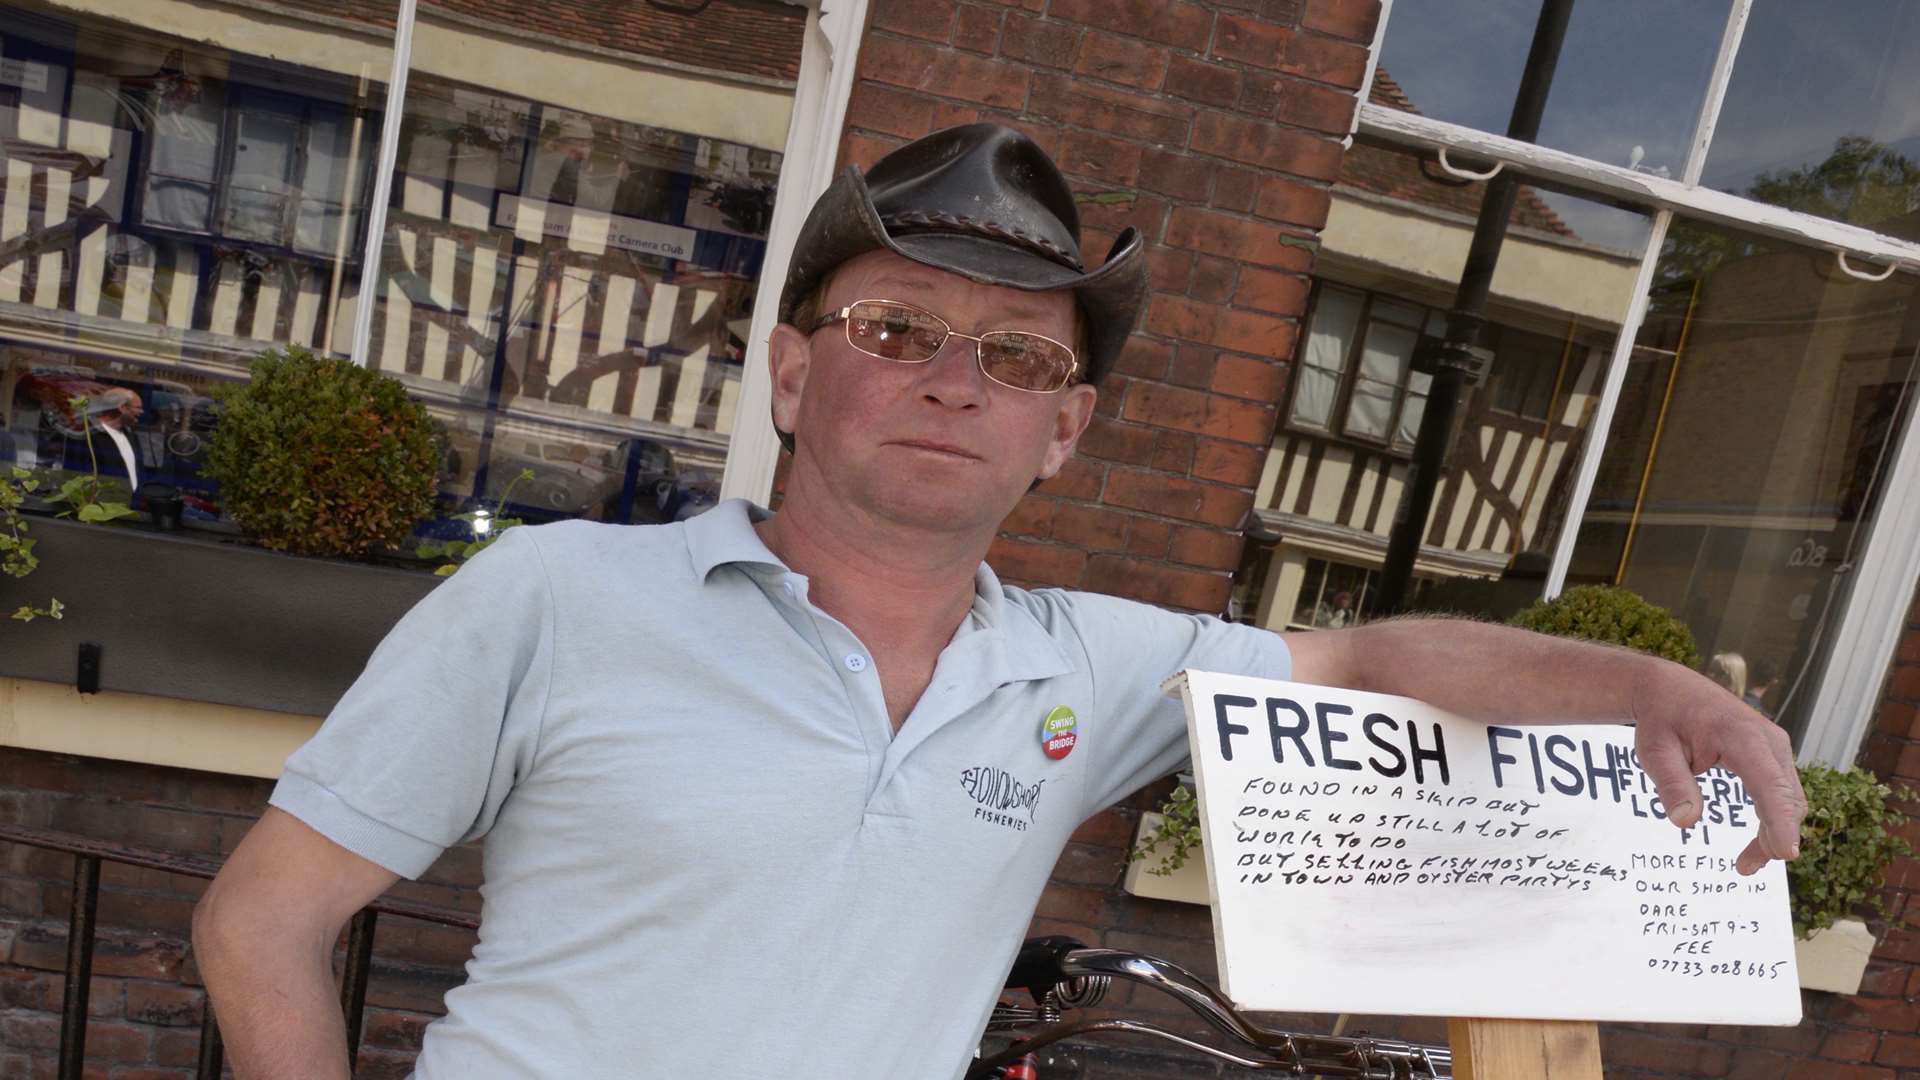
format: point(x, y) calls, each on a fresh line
point(17, 559)
point(1178, 833)
point(1846, 844)
point(488, 525)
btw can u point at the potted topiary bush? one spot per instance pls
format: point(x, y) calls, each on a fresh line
point(1846, 845)
point(319, 456)
point(1614, 616)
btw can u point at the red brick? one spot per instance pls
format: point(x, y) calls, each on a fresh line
point(895, 62)
point(1235, 189)
point(1198, 80)
point(1079, 478)
point(1192, 367)
point(1168, 586)
point(1122, 60)
point(1905, 683)
point(1235, 331)
point(863, 150)
point(1212, 549)
point(931, 20)
point(394, 1030)
point(1199, 412)
point(1228, 463)
point(948, 114)
point(1031, 516)
point(1827, 1070)
point(1120, 210)
point(1262, 44)
point(1353, 20)
point(1213, 279)
point(1090, 527)
point(1174, 497)
point(1173, 452)
point(1254, 142)
point(1178, 175)
point(878, 107)
point(1168, 268)
point(1298, 102)
point(1269, 291)
point(1149, 538)
point(1909, 647)
point(994, 83)
point(1292, 202)
point(1037, 563)
point(1643, 1050)
point(161, 1003)
point(1110, 109)
point(1144, 359)
point(1235, 238)
point(1848, 1045)
point(1111, 440)
point(1249, 377)
point(1109, 828)
point(1040, 41)
point(977, 29)
point(1073, 903)
point(1170, 22)
point(1098, 157)
point(136, 956)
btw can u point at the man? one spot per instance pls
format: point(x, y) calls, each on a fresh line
point(766, 795)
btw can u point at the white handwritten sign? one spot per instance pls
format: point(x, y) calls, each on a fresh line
point(1373, 854)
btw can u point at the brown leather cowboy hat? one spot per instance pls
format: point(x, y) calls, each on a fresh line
point(985, 202)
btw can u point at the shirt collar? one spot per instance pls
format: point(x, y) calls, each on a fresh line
point(725, 534)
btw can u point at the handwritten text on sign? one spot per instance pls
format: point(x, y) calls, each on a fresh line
point(1372, 854)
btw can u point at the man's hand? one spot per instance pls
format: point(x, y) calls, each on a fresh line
point(1684, 725)
point(1501, 675)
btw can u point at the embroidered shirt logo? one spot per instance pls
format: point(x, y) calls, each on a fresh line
point(1002, 798)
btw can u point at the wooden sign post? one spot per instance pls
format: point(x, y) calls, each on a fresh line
point(1373, 854)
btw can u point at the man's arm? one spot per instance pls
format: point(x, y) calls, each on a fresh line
point(1684, 723)
point(263, 937)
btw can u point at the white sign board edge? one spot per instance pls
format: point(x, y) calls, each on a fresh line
point(1675, 936)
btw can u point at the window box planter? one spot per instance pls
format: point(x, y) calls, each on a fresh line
point(1835, 959)
point(187, 616)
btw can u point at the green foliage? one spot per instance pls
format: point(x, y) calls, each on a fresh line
point(1615, 616)
point(17, 559)
point(82, 494)
point(1845, 844)
point(1178, 832)
point(321, 457)
point(462, 550)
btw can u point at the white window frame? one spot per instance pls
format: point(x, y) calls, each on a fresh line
point(1887, 569)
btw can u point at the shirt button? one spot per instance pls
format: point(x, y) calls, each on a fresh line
point(855, 662)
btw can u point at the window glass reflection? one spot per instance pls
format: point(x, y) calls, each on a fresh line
point(1627, 89)
point(1762, 405)
point(1820, 114)
point(1389, 265)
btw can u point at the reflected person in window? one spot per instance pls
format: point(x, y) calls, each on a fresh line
point(811, 766)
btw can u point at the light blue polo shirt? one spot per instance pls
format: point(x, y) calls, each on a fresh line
point(707, 853)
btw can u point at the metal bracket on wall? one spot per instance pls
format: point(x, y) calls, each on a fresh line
point(86, 676)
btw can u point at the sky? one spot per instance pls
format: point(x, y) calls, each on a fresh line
point(1633, 74)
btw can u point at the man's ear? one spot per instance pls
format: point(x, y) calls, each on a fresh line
point(1075, 412)
point(789, 360)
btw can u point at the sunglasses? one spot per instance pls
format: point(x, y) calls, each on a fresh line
point(1017, 359)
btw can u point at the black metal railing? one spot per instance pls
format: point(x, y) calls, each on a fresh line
point(89, 853)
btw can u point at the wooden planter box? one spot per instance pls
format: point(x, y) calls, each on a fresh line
point(1835, 959)
point(1187, 885)
point(187, 616)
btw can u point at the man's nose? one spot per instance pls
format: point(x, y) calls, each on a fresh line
point(953, 376)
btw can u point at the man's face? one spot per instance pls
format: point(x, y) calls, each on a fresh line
point(934, 444)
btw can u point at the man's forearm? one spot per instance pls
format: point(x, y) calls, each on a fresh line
point(275, 1000)
point(1498, 674)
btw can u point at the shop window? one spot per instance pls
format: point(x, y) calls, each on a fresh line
point(1356, 377)
point(1334, 595)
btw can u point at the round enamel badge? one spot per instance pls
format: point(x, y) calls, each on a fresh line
point(1057, 732)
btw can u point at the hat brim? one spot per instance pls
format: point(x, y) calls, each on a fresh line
point(844, 224)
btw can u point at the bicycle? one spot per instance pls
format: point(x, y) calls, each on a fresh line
point(1061, 974)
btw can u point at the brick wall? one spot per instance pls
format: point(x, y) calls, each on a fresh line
point(1213, 128)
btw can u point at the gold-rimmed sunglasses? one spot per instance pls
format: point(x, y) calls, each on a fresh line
point(1017, 359)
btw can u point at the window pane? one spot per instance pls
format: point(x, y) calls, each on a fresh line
point(1336, 313)
point(569, 266)
point(177, 204)
point(1820, 111)
point(1313, 396)
point(254, 215)
point(1743, 468)
point(1626, 91)
point(1400, 239)
point(187, 121)
point(263, 149)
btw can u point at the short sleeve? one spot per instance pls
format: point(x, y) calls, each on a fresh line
point(421, 751)
point(1131, 649)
